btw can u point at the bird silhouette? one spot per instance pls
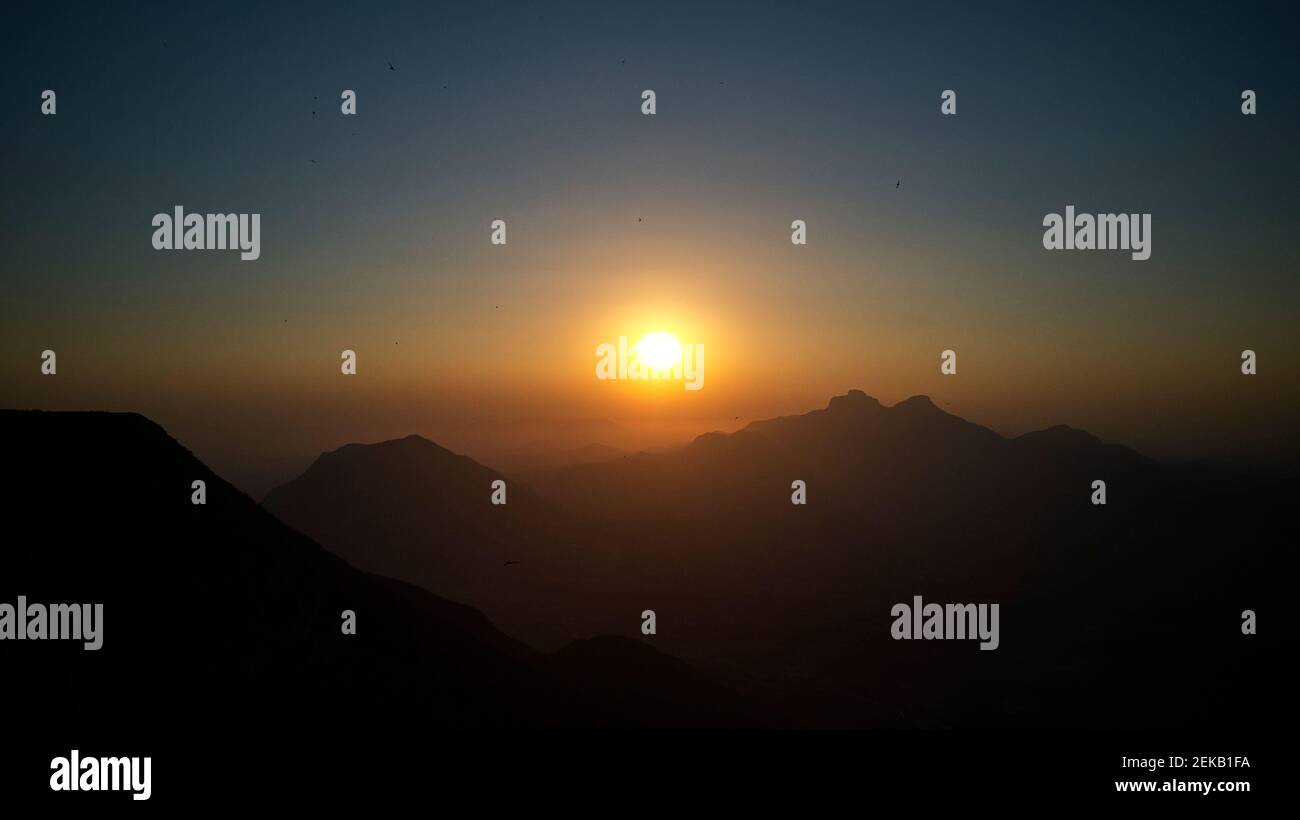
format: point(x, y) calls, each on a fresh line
point(896, 184)
point(508, 563)
point(390, 66)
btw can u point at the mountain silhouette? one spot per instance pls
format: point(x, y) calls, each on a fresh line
point(222, 611)
point(421, 512)
point(857, 457)
point(790, 603)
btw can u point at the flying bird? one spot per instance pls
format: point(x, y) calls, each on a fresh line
point(896, 184)
point(508, 563)
point(390, 66)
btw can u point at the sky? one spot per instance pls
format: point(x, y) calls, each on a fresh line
point(924, 231)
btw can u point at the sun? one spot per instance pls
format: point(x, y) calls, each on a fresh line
point(659, 350)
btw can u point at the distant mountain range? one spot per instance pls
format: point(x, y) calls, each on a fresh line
point(790, 603)
point(221, 615)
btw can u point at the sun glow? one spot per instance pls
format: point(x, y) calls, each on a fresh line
point(659, 350)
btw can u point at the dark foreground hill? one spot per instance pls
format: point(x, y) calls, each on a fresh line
point(1121, 615)
point(218, 617)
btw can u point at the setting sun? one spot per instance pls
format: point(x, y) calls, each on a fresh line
point(659, 350)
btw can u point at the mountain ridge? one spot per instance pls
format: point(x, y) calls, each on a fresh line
point(788, 602)
point(223, 603)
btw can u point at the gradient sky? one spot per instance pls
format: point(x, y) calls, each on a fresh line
point(767, 112)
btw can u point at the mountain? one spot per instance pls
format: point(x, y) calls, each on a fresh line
point(414, 510)
point(220, 615)
point(857, 457)
point(791, 603)
point(420, 511)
